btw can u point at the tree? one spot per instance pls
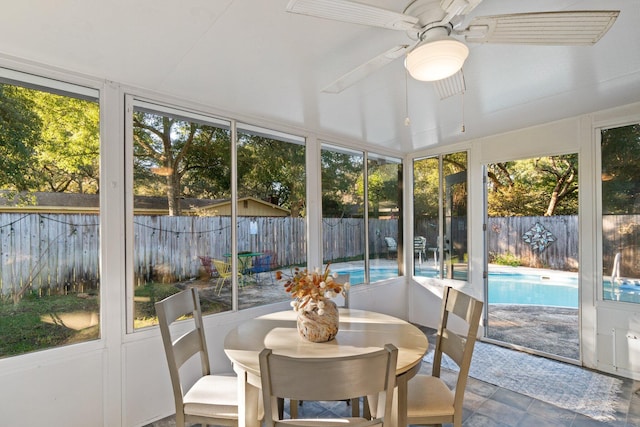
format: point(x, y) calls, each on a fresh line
point(341, 196)
point(207, 167)
point(68, 153)
point(560, 173)
point(272, 170)
point(50, 142)
point(426, 187)
point(539, 186)
point(19, 134)
point(620, 148)
point(161, 147)
point(382, 186)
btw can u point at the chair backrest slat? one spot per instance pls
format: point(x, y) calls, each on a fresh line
point(458, 347)
point(453, 346)
point(185, 347)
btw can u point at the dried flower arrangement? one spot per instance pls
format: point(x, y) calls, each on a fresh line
point(311, 289)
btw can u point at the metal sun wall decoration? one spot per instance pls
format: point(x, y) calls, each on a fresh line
point(539, 237)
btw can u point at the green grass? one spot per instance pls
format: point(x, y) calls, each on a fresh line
point(38, 322)
point(35, 323)
point(147, 295)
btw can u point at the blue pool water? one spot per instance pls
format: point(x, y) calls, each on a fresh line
point(356, 275)
point(505, 288)
point(551, 290)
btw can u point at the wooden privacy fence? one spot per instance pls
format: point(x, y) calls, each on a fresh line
point(39, 252)
point(61, 252)
point(537, 241)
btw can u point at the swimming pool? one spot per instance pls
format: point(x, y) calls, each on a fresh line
point(545, 289)
point(530, 289)
point(356, 275)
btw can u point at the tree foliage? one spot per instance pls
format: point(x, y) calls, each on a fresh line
point(19, 134)
point(164, 160)
point(382, 187)
point(69, 148)
point(620, 148)
point(272, 170)
point(178, 158)
point(534, 187)
point(342, 197)
point(426, 183)
point(49, 142)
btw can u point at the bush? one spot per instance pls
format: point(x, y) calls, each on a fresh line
point(506, 259)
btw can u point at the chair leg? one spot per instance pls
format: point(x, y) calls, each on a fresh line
point(220, 284)
point(280, 408)
point(355, 407)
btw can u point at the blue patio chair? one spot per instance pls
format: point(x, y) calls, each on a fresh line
point(261, 264)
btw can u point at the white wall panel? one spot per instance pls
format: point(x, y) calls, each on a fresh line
point(64, 391)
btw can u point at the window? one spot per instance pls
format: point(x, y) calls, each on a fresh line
point(343, 226)
point(384, 198)
point(620, 181)
point(181, 216)
point(271, 212)
point(49, 214)
point(440, 216)
point(353, 237)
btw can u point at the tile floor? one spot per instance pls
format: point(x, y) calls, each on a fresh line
point(487, 405)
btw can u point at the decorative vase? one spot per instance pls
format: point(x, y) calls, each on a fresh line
point(316, 327)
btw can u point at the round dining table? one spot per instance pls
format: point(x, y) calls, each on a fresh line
point(359, 332)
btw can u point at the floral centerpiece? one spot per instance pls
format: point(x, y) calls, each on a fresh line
point(312, 290)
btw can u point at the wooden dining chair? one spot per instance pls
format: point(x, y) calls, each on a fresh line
point(328, 378)
point(355, 402)
point(212, 399)
point(430, 400)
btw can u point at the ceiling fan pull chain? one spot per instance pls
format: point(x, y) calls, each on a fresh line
point(462, 112)
point(407, 121)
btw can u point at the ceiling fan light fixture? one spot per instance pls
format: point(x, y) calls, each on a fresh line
point(436, 59)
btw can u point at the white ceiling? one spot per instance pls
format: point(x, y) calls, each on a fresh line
point(252, 58)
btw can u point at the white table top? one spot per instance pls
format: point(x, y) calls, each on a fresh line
point(359, 332)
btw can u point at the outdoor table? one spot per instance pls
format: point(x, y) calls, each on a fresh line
point(359, 332)
point(243, 259)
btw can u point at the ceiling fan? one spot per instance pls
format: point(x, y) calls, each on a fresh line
point(432, 53)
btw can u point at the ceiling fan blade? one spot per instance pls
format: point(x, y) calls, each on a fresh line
point(583, 27)
point(352, 12)
point(450, 86)
point(458, 7)
point(366, 69)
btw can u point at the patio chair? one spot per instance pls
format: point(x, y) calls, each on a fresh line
point(420, 247)
point(430, 400)
point(212, 399)
point(392, 246)
point(261, 264)
point(328, 378)
point(224, 272)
